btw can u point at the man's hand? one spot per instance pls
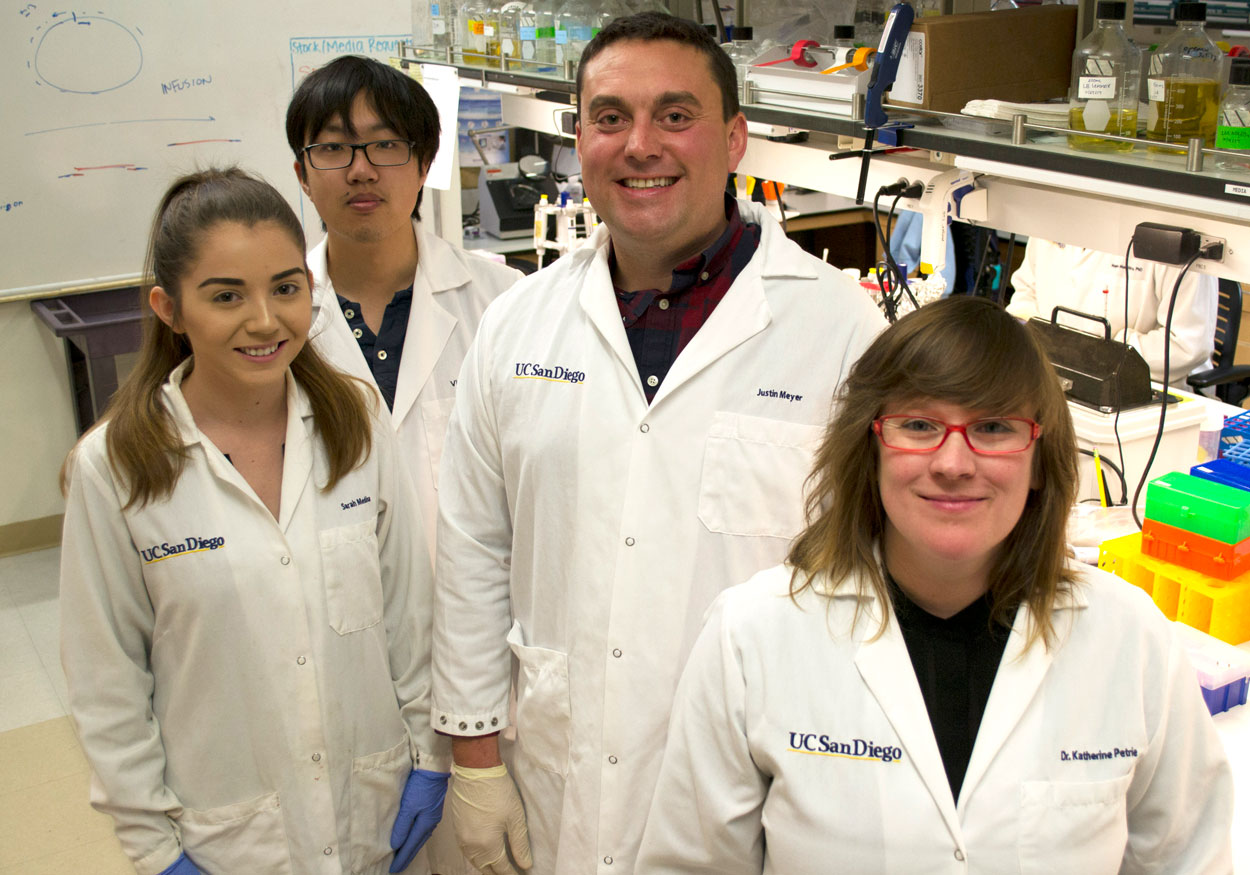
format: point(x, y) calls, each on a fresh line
point(486, 809)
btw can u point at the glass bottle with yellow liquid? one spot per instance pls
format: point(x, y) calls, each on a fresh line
point(1106, 76)
point(1183, 85)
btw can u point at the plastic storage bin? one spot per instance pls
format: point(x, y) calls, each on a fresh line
point(1218, 607)
point(1200, 506)
point(1224, 471)
point(1178, 449)
point(1197, 552)
point(1223, 670)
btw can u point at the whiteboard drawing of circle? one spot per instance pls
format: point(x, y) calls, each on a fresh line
point(87, 54)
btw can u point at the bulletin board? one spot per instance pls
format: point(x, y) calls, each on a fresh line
point(104, 105)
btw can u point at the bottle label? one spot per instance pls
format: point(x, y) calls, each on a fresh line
point(1096, 87)
point(545, 33)
point(1156, 89)
point(505, 46)
point(488, 29)
point(475, 27)
point(434, 10)
point(562, 37)
point(440, 26)
point(1232, 138)
point(529, 33)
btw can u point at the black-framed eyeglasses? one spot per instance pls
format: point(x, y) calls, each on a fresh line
point(991, 436)
point(380, 153)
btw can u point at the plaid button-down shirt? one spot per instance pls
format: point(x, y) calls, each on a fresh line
point(660, 324)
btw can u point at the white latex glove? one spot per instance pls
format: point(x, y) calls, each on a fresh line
point(486, 808)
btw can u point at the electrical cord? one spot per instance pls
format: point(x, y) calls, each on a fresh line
point(890, 277)
point(1118, 473)
point(1167, 364)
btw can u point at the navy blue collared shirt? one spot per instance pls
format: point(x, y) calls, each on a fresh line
point(382, 350)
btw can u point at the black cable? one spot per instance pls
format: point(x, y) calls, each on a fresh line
point(1167, 364)
point(898, 268)
point(1115, 423)
point(892, 281)
point(1118, 473)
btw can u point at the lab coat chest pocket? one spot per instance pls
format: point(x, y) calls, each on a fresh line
point(353, 577)
point(543, 711)
point(1073, 826)
point(753, 474)
point(434, 417)
point(244, 837)
point(377, 783)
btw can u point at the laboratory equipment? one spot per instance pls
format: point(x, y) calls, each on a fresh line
point(1184, 82)
point(1232, 130)
point(1106, 79)
point(508, 194)
point(941, 203)
point(1103, 374)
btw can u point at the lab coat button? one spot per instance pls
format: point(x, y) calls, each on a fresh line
point(443, 720)
point(382, 354)
point(285, 560)
point(703, 276)
point(349, 313)
point(607, 860)
point(300, 660)
point(316, 758)
point(328, 851)
point(616, 653)
point(644, 428)
point(663, 303)
point(653, 381)
point(959, 855)
point(494, 721)
point(480, 724)
point(357, 333)
point(612, 760)
point(464, 725)
point(629, 542)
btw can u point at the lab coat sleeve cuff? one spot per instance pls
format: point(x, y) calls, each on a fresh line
point(160, 859)
point(468, 724)
point(432, 755)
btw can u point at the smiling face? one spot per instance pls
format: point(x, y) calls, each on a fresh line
point(654, 148)
point(361, 202)
point(949, 511)
point(244, 304)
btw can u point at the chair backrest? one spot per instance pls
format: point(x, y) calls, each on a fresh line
point(1227, 322)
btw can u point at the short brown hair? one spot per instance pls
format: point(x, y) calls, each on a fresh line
point(964, 351)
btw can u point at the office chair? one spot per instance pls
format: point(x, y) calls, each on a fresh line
point(1231, 382)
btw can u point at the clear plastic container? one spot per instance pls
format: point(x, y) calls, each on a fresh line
point(1106, 78)
point(741, 51)
point(1183, 88)
point(1232, 130)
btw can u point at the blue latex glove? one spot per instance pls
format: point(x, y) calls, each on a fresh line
point(420, 810)
point(182, 866)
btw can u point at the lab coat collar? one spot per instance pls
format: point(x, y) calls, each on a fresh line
point(297, 458)
point(741, 314)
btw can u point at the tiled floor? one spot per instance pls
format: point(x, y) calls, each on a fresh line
point(46, 824)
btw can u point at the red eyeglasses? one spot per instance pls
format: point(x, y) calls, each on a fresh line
point(992, 436)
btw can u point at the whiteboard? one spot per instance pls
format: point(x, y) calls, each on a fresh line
point(105, 104)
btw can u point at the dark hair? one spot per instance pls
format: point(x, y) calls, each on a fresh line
point(144, 448)
point(662, 26)
point(964, 351)
point(326, 94)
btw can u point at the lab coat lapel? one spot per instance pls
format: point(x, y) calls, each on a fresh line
point(887, 671)
point(429, 327)
point(297, 456)
point(1019, 677)
point(598, 300)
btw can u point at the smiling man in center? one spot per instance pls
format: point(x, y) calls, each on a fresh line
point(586, 526)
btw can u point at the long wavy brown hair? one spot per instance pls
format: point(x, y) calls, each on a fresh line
point(964, 351)
point(144, 448)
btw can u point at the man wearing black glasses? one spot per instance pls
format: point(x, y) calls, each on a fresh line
point(393, 304)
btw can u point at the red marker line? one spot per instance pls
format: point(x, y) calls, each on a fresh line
point(194, 142)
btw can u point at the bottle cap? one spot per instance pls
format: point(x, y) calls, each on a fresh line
point(844, 31)
point(1111, 10)
point(1239, 72)
point(711, 29)
point(746, 33)
point(1190, 12)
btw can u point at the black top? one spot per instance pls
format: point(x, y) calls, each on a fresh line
point(956, 661)
point(382, 351)
point(1113, 10)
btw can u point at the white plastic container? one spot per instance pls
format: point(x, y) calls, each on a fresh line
point(1178, 450)
point(808, 88)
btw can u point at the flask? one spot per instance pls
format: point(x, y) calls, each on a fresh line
point(492, 32)
point(1232, 131)
point(545, 33)
point(741, 51)
point(473, 40)
point(514, 16)
point(1184, 88)
point(573, 25)
point(1106, 78)
point(443, 24)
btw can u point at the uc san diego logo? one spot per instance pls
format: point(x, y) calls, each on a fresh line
point(191, 544)
point(557, 374)
point(854, 749)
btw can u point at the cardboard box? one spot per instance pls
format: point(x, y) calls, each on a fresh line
point(1020, 55)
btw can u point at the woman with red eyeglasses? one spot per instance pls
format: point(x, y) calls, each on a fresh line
point(931, 683)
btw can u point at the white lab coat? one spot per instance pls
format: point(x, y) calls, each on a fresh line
point(800, 747)
point(260, 698)
point(1054, 274)
point(449, 294)
point(583, 532)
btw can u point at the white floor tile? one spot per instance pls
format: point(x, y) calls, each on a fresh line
point(31, 577)
point(17, 651)
point(28, 698)
point(43, 624)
